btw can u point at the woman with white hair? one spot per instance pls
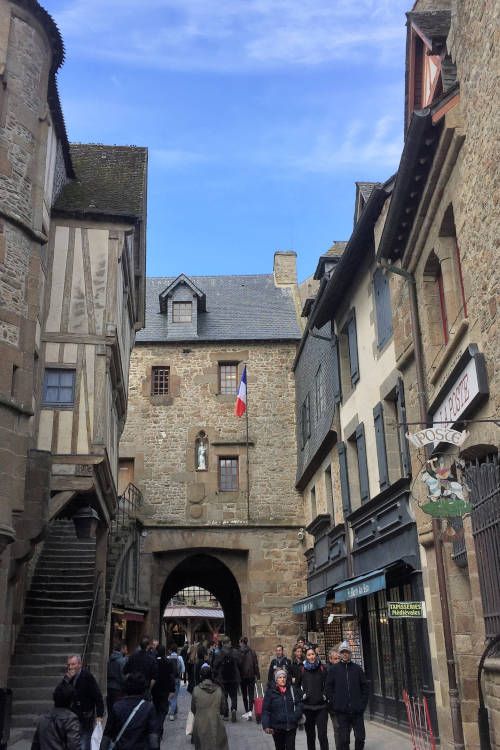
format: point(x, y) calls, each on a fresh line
point(282, 711)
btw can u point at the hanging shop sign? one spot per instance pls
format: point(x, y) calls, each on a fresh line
point(405, 610)
point(434, 435)
point(468, 386)
point(447, 492)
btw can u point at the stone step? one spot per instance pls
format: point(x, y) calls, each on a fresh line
point(28, 707)
point(58, 567)
point(24, 726)
point(20, 682)
point(43, 692)
point(77, 622)
point(56, 609)
point(48, 598)
point(68, 580)
point(33, 671)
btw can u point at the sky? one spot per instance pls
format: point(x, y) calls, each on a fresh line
point(259, 116)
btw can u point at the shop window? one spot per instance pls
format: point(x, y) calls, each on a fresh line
point(59, 387)
point(228, 473)
point(228, 378)
point(383, 310)
point(160, 380)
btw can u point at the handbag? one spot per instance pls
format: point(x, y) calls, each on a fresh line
point(189, 723)
point(95, 740)
point(131, 715)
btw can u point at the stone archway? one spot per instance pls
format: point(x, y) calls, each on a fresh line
point(207, 571)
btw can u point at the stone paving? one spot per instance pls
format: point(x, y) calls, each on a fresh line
point(247, 735)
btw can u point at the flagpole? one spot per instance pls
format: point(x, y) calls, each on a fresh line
point(248, 458)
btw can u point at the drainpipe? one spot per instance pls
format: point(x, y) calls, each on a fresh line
point(455, 709)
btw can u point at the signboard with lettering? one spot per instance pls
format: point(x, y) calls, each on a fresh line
point(362, 586)
point(399, 610)
point(466, 387)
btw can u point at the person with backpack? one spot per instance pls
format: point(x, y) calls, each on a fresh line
point(115, 676)
point(282, 711)
point(164, 687)
point(178, 669)
point(132, 723)
point(227, 674)
point(59, 729)
point(312, 682)
point(249, 672)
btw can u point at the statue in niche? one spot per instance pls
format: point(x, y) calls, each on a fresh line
point(201, 452)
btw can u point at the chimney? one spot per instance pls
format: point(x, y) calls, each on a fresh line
point(285, 268)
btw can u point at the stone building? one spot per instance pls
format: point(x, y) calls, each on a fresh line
point(440, 245)
point(72, 259)
point(221, 509)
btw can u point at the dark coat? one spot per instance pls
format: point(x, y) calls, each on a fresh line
point(225, 673)
point(143, 731)
point(207, 704)
point(312, 682)
point(165, 682)
point(249, 666)
point(116, 665)
point(141, 661)
point(296, 671)
point(57, 730)
point(88, 701)
point(282, 663)
point(282, 710)
point(347, 688)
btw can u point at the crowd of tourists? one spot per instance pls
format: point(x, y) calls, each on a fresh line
point(301, 693)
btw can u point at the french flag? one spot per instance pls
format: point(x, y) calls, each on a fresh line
point(240, 406)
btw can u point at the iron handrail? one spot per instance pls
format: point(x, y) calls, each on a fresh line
point(128, 504)
point(92, 620)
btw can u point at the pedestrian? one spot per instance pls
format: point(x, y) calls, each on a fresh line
point(115, 675)
point(201, 658)
point(347, 693)
point(141, 661)
point(132, 723)
point(296, 664)
point(164, 687)
point(208, 703)
point(178, 667)
point(153, 648)
point(227, 674)
point(249, 672)
point(280, 661)
point(334, 658)
point(59, 729)
point(88, 703)
point(312, 682)
point(183, 655)
point(282, 711)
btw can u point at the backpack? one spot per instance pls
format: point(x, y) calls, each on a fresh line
point(174, 660)
point(227, 668)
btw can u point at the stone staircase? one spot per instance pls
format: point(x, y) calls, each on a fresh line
point(56, 618)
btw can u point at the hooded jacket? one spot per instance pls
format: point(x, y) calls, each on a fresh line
point(58, 729)
point(282, 710)
point(116, 665)
point(207, 704)
point(347, 688)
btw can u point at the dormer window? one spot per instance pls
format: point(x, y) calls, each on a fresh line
point(182, 312)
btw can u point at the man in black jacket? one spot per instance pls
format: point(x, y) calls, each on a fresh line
point(347, 695)
point(280, 661)
point(249, 670)
point(141, 661)
point(88, 704)
point(227, 673)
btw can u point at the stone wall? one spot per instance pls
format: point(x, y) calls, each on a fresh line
point(491, 688)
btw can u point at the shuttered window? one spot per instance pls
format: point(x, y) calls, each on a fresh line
point(402, 428)
point(382, 297)
point(353, 348)
point(344, 479)
point(306, 420)
point(383, 469)
point(364, 487)
point(337, 383)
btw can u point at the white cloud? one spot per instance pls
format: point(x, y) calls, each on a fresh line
point(230, 35)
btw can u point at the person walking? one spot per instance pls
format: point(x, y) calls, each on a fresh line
point(347, 694)
point(178, 667)
point(249, 672)
point(227, 674)
point(88, 703)
point(208, 702)
point(334, 658)
point(282, 711)
point(312, 682)
point(115, 675)
point(164, 687)
point(59, 729)
point(296, 664)
point(141, 661)
point(132, 723)
point(280, 661)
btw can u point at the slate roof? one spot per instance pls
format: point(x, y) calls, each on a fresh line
point(434, 24)
point(366, 188)
point(110, 181)
point(237, 308)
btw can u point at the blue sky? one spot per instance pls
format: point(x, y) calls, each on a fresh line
point(259, 116)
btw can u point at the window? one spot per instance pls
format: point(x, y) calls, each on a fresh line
point(182, 312)
point(329, 494)
point(364, 488)
point(344, 479)
point(314, 507)
point(382, 301)
point(320, 392)
point(59, 387)
point(306, 420)
point(438, 280)
point(349, 352)
point(337, 382)
point(228, 378)
point(383, 468)
point(228, 473)
point(160, 380)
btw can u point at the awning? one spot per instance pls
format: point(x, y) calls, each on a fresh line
point(310, 603)
point(360, 586)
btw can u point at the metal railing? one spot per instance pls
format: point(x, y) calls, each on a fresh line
point(419, 721)
point(129, 503)
point(89, 638)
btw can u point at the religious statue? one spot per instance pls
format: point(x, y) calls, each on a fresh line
point(201, 454)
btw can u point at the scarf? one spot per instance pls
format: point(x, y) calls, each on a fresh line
point(312, 667)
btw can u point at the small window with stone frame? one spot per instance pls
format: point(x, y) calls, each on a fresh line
point(228, 473)
point(160, 380)
point(182, 312)
point(228, 378)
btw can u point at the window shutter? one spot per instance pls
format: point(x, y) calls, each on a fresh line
point(337, 383)
point(353, 349)
point(344, 479)
point(383, 310)
point(402, 429)
point(364, 487)
point(383, 470)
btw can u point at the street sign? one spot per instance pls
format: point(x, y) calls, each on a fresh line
point(399, 610)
